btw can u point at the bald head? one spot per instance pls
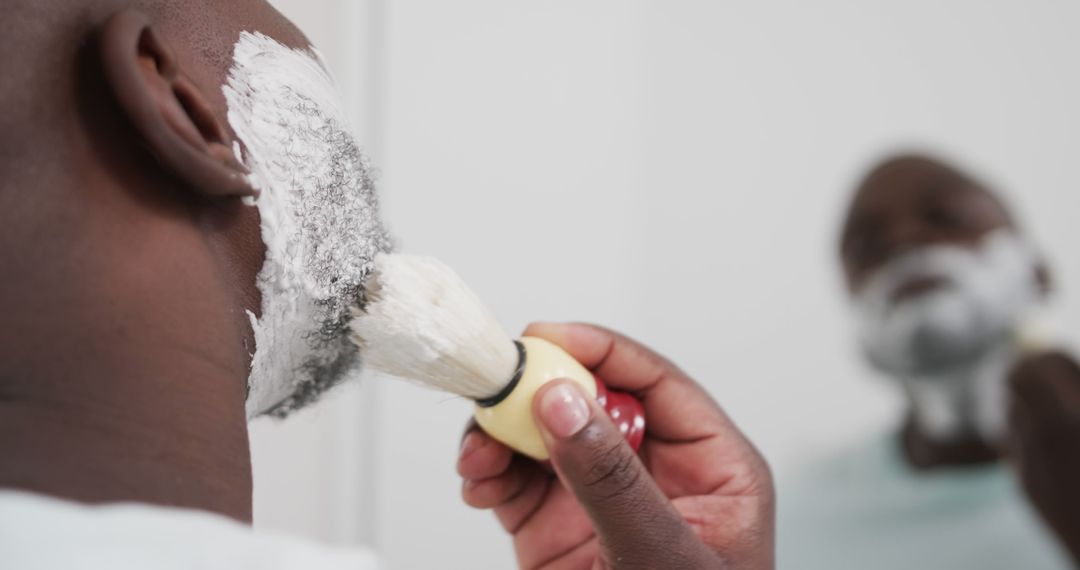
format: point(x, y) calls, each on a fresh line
point(912, 201)
point(50, 56)
point(117, 133)
point(144, 146)
point(942, 287)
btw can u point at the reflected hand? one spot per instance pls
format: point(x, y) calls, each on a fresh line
point(699, 495)
point(1044, 440)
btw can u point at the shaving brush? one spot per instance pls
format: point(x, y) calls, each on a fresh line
point(420, 322)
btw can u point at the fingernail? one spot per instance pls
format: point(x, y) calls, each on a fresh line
point(564, 410)
point(470, 444)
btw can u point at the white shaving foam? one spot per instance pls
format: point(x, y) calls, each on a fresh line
point(987, 290)
point(972, 329)
point(320, 220)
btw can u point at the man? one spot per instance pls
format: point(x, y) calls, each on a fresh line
point(186, 223)
point(946, 289)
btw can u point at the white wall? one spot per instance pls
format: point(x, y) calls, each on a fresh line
point(676, 170)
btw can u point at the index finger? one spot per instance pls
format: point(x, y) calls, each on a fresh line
point(676, 407)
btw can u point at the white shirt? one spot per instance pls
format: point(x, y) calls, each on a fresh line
point(39, 533)
point(865, 508)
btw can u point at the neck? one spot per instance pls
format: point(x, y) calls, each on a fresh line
point(122, 366)
point(136, 438)
point(957, 416)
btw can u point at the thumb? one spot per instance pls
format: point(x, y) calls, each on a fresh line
point(637, 525)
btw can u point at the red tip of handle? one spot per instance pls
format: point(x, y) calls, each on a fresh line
point(624, 409)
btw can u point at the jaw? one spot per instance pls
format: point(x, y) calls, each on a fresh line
point(319, 219)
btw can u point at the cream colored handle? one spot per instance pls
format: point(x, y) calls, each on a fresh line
point(1037, 333)
point(511, 420)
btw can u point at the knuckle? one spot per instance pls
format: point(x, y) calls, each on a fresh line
point(613, 472)
point(469, 498)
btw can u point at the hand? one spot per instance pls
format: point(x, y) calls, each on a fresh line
point(1044, 440)
point(699, 495)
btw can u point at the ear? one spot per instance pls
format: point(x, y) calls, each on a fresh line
point(168, 109)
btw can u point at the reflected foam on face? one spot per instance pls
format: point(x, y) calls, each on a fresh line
point(950, 346)
point(319, 220)
point(984, 292)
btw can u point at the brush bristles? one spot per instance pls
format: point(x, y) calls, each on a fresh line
point(421, 322)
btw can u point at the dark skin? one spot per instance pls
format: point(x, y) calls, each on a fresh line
point(1044, 440)
point(128, 258)
point(696, 495)
point(910, 202)
point(913, 201)
point(907, 203)
point(130, 263)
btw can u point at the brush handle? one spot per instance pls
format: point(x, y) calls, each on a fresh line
point(625, 410)
point(511, 421)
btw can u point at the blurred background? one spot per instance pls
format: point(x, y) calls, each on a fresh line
point(674, 170)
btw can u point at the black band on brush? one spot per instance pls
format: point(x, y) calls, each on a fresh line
point(489, 402)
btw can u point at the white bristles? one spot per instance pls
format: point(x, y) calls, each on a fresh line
point(422, 323)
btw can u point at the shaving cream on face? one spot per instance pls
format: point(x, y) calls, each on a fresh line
point(319, 220)
point(986, 291)
point(951, 348)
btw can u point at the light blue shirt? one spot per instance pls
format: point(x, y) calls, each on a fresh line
point(866, 509)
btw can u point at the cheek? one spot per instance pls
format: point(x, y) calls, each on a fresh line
point(233, 233)
point(236, 233)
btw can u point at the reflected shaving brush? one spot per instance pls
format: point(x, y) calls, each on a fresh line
point(420, 322)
